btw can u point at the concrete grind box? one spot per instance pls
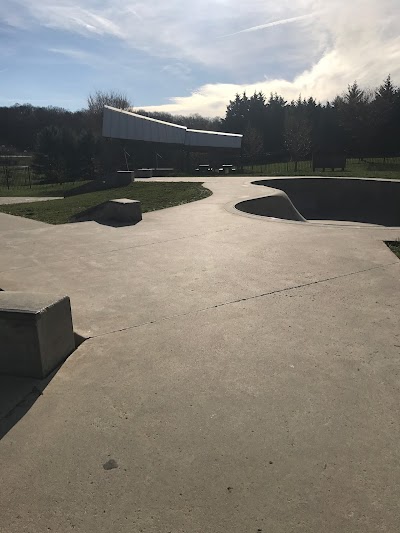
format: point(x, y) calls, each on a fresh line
point(36, 333)
point(122, 210)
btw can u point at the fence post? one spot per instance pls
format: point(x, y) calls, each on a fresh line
point(7, 181)
point(29, 177)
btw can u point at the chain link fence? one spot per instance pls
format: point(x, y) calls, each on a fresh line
point(381, 166)
point(15, 177)
point(19, 180)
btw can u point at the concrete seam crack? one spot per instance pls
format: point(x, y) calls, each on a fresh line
point(254, 297)
point(12, 269)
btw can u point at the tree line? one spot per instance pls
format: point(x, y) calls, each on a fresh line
point(68, 145)
point(358, 123)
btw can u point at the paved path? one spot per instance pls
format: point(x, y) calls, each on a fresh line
point(11, 223)
point(241, 375)
point(26, 199)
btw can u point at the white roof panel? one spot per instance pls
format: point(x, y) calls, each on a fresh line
point(212, 139)
point(120, 124)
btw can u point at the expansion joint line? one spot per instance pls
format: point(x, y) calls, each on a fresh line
point(114, 250)
point(254, 297)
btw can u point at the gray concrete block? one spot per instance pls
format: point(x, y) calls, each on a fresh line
point(36, 333)
point(162, 172)
point(143, 173)
point(125, 177)
point(123, 210)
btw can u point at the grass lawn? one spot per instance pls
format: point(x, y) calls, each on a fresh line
point(371, 168)
point(395, 247)
point(151, 195)
point(48, 189)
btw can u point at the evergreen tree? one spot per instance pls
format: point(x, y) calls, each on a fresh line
point(252, 144)
point(237, 114)
point(274, 129)
point(48, 157)
point(356, 119)
point(385, 112)
point(85, 153)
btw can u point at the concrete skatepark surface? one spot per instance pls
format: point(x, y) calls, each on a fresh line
point(240, 374)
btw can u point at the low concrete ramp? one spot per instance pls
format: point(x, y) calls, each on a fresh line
point(276, 205)
point(122, 211)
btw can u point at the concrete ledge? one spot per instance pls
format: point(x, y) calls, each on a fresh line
point(36, 333)
point(122, 210)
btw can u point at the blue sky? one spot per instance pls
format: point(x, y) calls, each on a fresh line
point(187, 57)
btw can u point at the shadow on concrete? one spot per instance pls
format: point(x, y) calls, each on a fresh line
point(110, 223)
point(89, 214)
point(97, 214)
point(19, 394)
point(115, 223)
point(369, 201)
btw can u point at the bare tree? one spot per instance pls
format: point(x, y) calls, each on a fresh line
point(298, 137)
point(99, 99)
point(96, 103)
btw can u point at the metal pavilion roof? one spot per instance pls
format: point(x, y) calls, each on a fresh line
point(120, 124)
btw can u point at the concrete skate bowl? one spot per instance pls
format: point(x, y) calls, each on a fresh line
point(341, 200)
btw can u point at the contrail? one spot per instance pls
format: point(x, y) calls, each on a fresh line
point(272, 24)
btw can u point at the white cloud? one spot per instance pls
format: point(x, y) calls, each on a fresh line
point(272, 24)
point(79, 55)
point(312, 47)
point(175, 29)
point(356, 41)
point(178, 70)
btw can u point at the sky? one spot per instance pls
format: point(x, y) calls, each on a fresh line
point(193, 56)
